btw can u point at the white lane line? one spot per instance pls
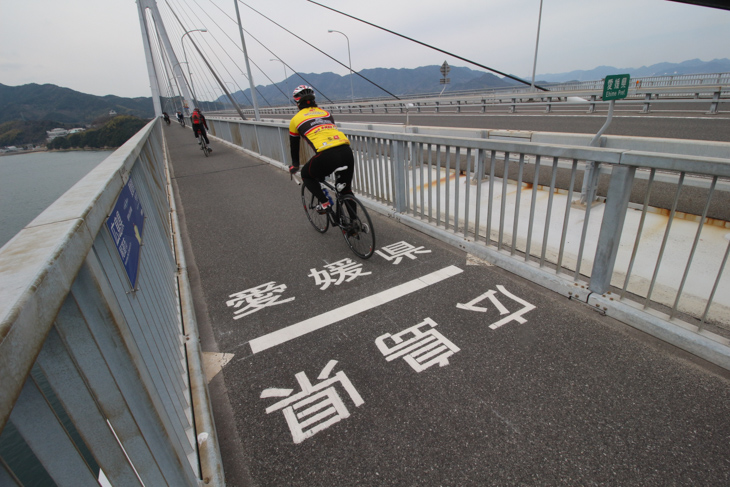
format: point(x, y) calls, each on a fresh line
point(303, 327)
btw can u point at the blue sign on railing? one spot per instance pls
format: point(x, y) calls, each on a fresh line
point(125, 224)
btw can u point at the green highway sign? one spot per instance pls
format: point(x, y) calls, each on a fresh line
point(616, 87)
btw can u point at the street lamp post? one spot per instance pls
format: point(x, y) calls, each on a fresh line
point(182, 99)
point(192, 86)
point(537, 42)
point(352, 91)
point(286, 84)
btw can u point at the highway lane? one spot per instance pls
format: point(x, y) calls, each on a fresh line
point(673, 125)
point(528, 387)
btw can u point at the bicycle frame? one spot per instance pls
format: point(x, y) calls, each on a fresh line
point(356, 226)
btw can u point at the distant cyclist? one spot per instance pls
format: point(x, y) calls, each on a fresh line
point(166, 117)
point(199, 126)
point(180, 117)
point(332, 147)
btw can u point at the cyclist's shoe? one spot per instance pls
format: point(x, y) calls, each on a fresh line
point(200, 142)
point(323, 208)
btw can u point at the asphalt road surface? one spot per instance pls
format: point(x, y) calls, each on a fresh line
point(419, 366)
point(664, 124)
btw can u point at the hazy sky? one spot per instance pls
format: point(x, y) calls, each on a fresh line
point(95, 46)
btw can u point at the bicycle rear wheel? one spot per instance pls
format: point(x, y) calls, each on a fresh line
point(357, 228)
point(320, 222)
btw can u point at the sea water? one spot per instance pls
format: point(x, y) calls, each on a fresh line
point(30, 182)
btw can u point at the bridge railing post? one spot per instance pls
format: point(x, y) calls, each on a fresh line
point(647, 103)
point(399, 175)
point(614, 215)
point(715, 102)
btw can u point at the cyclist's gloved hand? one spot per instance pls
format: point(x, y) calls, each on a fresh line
point(293, 169)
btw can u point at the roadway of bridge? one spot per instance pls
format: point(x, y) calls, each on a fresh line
point(420, 366)
point(672, 124)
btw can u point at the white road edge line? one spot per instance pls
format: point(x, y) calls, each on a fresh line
point(315, 323)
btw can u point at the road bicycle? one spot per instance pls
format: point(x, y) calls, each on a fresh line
point(204, 146)
point(346, 212)
point(182, 121)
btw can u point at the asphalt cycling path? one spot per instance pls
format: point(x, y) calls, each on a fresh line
point(419, 366)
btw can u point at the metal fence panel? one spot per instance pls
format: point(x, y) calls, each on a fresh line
point(109, 390)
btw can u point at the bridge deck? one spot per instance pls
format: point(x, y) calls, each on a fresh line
point(552, 392)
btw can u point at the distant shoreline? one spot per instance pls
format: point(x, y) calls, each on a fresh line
point(35, 151)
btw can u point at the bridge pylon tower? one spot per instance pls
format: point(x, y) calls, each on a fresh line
point(142, 6)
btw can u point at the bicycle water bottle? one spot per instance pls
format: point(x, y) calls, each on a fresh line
point(327, 194)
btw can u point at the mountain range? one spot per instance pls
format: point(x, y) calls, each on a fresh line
point(47, 102)
point(63, 105)
point(427, 79)
point(693, 66)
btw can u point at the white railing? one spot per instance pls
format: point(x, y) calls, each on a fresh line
point(514, 202)
point(99, 382)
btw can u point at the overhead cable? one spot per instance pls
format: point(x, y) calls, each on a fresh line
point(262, 45)
point(320, 50)
point(429, 46)
point(240, 49)
point(212, 71)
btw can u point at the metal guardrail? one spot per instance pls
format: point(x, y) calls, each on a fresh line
point(500, 199)
point(702, 90)
point(99, 384)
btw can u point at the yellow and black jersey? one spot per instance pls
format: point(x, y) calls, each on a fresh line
point(318, 127)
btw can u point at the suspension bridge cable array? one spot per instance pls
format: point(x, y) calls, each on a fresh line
point(286, 95)
point(201, 71)
point(428, 45)
point(209, 55)
point(234, 62)
point(318, 49)
point(212, 71)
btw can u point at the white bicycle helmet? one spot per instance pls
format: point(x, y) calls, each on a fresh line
point(302, 90)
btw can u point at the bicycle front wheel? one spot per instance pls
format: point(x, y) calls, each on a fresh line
point(357, 228)
point(320, 222)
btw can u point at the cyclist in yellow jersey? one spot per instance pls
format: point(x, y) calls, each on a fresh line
point(317, 127)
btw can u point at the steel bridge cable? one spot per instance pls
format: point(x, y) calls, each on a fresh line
point(240, 49)
point(205, 41)
point(264, 46)
point(177, 31)
point(233, 79)
point(294, 71)
point(210, 68)
point(429, 46)
point(165, 62)
point(174, 28)
point(320, 50)
point(159, 60)
point(205, 81)
point(221, 62)
point(202, 73)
